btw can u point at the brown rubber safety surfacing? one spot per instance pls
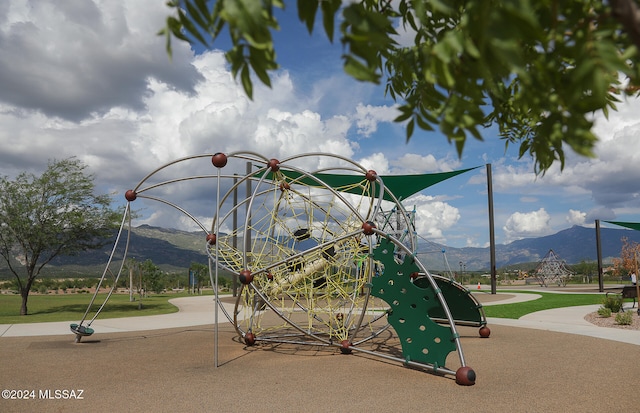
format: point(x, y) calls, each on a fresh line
point(517, 369)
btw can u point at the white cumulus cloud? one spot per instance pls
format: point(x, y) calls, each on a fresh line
point(576, 217)
point(527, 224)
point(433, 217)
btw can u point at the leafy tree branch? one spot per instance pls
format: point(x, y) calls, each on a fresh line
point(536, 69)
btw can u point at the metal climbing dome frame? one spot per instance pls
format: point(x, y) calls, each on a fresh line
point(320, 261)
point(552, 270)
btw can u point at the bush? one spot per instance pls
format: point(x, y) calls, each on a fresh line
point(613, 302)
point(624, 318)
point(604, 312)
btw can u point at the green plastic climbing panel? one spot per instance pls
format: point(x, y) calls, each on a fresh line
point(465, 309)
point(423, 339)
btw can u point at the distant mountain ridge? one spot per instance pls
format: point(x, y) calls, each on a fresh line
point(572, 245)
point(174, 250)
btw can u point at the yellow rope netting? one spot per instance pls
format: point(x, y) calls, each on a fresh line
point(306, 255)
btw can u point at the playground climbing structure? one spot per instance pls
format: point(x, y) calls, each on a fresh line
point(552, 270)
point(324, 258)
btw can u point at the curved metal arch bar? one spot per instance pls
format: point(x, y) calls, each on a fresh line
point(437, 369)
point(328, 155)
point(106, 269)
point(240, 154)
point(125, 253)
point(404, 217)
point(240, 204)
point(171, 204)
point(176, 161)
point(336, 193)
point(188, 178)
point(359, 168)
point(173, 181)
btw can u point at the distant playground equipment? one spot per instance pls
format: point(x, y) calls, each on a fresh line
point(552, 270)
point(324, 258)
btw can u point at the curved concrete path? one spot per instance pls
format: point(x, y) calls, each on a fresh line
point(200, 310)
point(192, 311)
point(563, 320)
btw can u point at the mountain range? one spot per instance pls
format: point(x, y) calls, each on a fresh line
point(174, 250)
point(572, 245)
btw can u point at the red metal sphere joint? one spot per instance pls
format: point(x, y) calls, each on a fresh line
point(219, 160)
point(211, 239)
point(250, 338)
point(274, 165)
point(371, 175)
point(245, 277)
point(130, 195)
point(465, 376)
point(368, 227)
point(345, 347)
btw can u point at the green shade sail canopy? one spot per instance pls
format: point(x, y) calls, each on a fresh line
point(402, 186)
point(631, 225)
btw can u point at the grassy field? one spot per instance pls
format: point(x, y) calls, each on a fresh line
point(71, 307)
point(546, 302)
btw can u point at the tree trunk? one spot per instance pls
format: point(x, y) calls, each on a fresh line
point(24, 292)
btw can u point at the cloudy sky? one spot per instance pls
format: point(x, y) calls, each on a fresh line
point(91, 79)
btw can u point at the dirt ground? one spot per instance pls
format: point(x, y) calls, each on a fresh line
point(518, 370)
point(182, 369)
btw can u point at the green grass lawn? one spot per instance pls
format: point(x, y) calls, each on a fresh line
point(71, 307)
point(546, 302)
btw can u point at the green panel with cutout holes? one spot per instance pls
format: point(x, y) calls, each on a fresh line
point(422, 339)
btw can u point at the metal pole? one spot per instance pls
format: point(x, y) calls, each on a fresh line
point(247, 238)
point(599, 252)
point(215, 286)
point(131, 283)
point(234, 277)
point(635, 258)
point(492, 236)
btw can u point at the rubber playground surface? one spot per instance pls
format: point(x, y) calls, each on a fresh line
point(551, 362)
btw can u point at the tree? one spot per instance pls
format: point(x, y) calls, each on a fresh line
point(54, 214)
point(586, 269)
point(152, 277)
point(200, 272)
point(537, 69)
point(629, 256)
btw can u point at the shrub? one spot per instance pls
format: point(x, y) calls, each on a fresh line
point(604, 312)
point(624, 318)
point(613, 302)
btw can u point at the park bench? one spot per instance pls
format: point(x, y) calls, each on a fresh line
point(628, 291)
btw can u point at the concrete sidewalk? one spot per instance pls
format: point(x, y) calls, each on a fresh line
point(570, 320)
point(200, 310)
point(192, 311)
point(562, 320)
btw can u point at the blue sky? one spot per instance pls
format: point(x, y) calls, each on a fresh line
point(91, 79)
